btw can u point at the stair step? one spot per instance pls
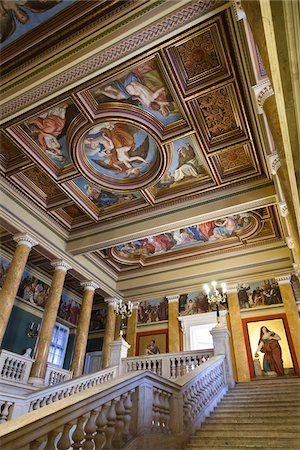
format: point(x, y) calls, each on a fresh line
point(246, 426)
point(292, 420)
point(253, 413)
point(279, 401)
point(265, 409)
point(233, 443)
point(233, 434)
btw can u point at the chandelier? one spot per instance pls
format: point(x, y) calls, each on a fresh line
point(124, 311)
point(215, 297)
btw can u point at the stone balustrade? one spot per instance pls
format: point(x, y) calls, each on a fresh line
point(55, 375)
point(12, 406)
point(14, 367)
point(142, 408)
point(168, 365)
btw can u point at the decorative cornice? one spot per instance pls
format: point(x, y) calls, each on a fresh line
point(61, 264)
point(25, 239)
point(173, 298)
point(89, 285)
point(275, 163)
point(284, 279)
point(283, 208)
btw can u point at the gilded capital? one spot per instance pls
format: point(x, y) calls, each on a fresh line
point(60, 264)
point(25, 239)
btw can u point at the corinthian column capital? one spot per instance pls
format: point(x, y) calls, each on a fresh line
point(89, 285)
point(60, 264)
point(262, 91)
point(25, 239)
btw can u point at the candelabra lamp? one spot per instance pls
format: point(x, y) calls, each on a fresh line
point(33, 330)
point(124, 311)
point(215, 297)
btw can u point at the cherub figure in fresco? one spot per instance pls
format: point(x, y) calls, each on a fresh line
point(13, 10)
point(50, 125)
point(116, 142)
point(142, 84)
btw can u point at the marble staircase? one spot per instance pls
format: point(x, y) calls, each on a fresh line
point(261, 415)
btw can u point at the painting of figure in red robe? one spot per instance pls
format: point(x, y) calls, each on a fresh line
point(270, 350)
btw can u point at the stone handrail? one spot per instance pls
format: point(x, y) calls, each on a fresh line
point(14, 367)
point(140, 407)
point(168, 365)
point(12, 406)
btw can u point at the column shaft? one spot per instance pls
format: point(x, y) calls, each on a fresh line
point(82, 333)
point(239, 347)
point(109, 333)
point(174, 338)
point(49, 318)
point(117, 327)
point(292, 315)
point(131, 332)
point(13, 278)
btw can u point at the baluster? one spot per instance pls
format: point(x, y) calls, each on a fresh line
point(155, 409)
point(120, 424)
point(127, 415)
point(110, 428)
point(52, 437)
point(5, 413)
point(90, 431)
point(78, 433)
point(35, 445)
point(64, 442)
point(101, 423)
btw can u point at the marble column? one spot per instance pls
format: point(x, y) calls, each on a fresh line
point(291, 311)
point(82, 331)
point(13, 278)
point(173, 325)
point(118, 324)
point(38, 370)
point(131, 329)
point(237, 335)
point(109, 331)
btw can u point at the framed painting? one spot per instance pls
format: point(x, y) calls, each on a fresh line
point(152, 342)
point(269, 346)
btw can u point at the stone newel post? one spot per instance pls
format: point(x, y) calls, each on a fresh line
point(12, 281)
point(222, 347)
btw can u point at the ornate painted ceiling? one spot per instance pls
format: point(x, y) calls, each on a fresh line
point(158, 119)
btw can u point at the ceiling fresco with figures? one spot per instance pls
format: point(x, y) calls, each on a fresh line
point(174, 122)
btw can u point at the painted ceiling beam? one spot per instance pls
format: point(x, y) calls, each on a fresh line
point(172, 220)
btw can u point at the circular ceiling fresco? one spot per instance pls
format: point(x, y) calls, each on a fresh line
point(119, 156)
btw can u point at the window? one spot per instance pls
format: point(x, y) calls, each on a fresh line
point(58, 345)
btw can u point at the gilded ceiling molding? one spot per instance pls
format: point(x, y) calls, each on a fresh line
point(108, 56)
point(275, 163)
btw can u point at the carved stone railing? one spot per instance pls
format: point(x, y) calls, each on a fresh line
point(14, 367)
point(12, 406)
point(168, 365)
point(55, 375)
point(140, 408)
